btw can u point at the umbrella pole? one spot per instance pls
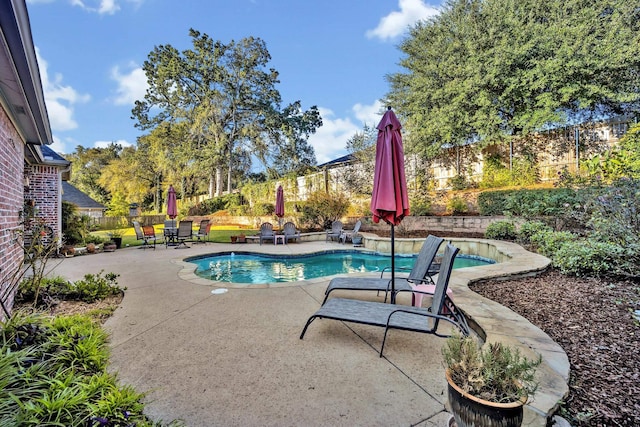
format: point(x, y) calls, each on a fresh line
point(393, 266)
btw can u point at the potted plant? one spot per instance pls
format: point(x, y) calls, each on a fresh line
point(241, 238)
point(109, 246)
point(487, 386)
point(116, 237)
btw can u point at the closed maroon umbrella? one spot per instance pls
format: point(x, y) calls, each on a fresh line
point(172, 204)
point(389, 200)
point(280, 204)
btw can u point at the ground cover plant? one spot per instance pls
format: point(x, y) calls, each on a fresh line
point(53, 363)
point(53, 372)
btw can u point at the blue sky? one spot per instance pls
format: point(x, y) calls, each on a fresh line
point(330, 53)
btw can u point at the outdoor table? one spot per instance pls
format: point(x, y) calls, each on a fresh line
point(170, 234)
point(278, 238)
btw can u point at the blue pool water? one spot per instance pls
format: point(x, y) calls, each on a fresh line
point(251, 268)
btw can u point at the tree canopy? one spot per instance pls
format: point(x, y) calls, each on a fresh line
point(226, 98)
point(491, 70)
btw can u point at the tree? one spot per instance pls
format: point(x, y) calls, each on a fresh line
point(227, 99)
point(489, 71)
point(358, 178)
point(87, 166)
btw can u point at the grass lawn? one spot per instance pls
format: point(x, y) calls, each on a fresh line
point(218, 234)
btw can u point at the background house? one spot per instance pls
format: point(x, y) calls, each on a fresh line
point(29, 172)
point(84, 204)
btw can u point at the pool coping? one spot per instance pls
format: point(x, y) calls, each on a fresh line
point(492, 321)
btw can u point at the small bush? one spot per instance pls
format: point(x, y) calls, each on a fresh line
point(48, 291)
point(501, 230)
point(586, 257)
point(530, 228)
point(549, 242)
point(421, 208)
point(322, 208)
point(264, 209)
point(457, 206)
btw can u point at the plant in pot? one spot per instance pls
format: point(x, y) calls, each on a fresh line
point(487, 386)
point(116, 237)
point(109, 246)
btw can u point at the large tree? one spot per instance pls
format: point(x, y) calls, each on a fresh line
point(87, 166)
point(227, 97)
point(494, 70)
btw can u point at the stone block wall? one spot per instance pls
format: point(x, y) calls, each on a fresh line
point(11, 203)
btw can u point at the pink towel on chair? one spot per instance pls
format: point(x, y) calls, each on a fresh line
point(430, 289)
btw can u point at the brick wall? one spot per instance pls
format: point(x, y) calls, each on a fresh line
point(44, 189)
point(11, 202)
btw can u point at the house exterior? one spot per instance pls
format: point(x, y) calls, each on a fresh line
point(28, 171)
point(84, 204)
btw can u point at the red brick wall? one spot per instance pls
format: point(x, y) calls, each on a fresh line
point(44, 188)
point(11, 202)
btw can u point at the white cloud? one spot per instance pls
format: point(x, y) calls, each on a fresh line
point(105, 144)
point(131, 86)
point(330, 140)
point(60, 99)
point(103, 7)
point(369, 115)
point(396, 23)
point(58, 146)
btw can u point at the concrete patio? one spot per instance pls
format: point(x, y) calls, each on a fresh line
point(235, 358)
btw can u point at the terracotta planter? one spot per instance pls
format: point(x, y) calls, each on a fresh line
point(471, 411)
point(234, 239)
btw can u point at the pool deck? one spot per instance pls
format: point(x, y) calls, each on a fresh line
point(235, 358)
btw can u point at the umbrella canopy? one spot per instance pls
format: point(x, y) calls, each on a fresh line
point(389, 200)
point(280, 202)
point(172, 204)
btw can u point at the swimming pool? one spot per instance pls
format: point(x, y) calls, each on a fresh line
point(252, 268)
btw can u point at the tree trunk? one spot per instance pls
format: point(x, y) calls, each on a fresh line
point(212, 184)
point(218, 181)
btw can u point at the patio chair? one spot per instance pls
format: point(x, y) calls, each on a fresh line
point(290, 232)
point(202, 235)
point(185, 232)
point(335, 232)
point(145, 233)
point(348, 234)
point(396, 316)
point(266, 232)
point(421, 273)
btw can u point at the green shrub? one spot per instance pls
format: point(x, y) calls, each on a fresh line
point(420, 207)
point(530, 228)
point(527, 203)
point(458, 182)
point(586, 257)
point(457, 206)
point(501, 230)
point(264, 209)
point(549, 242)
point(96, 287)
point(47, 291)
point(322, 208)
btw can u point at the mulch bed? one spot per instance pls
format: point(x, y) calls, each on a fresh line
point(593, 321)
